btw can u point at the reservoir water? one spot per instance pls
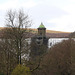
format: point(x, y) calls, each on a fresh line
point(51, 41)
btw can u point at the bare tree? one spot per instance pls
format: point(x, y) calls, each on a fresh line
point(17, 23)
point(7, 57)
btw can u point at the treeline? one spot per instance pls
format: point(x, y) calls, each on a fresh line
point(13, 44)
point(16, 57)
point(60, 60)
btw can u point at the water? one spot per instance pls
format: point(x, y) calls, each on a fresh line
point(53, 41)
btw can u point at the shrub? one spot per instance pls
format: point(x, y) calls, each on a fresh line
point(21, 70)
point(2, 74)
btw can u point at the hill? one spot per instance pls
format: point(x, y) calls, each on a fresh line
point(53, 33)
point(49, 31)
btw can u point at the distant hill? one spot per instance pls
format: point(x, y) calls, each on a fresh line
point(49, 31)
point(53, 33)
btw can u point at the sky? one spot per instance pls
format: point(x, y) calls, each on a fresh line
point(56, 15)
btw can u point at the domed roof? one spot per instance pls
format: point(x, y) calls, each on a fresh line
point(41, 25)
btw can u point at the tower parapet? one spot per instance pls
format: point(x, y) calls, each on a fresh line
point(42, 30)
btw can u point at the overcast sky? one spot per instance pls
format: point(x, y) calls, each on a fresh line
point(55, 14)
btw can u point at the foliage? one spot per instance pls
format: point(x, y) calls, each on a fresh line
point(60, 60)
point(2, 74)
point(13, 44)
point(21, 70)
